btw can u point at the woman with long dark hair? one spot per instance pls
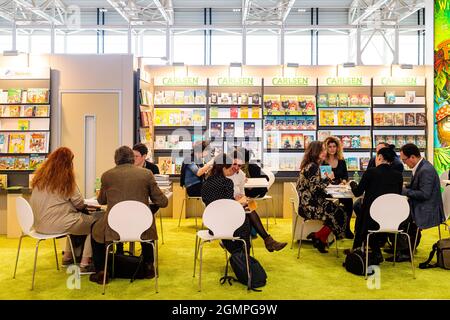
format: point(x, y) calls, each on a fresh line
point(313, 197)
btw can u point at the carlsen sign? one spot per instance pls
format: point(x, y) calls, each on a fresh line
point(344, 81)
point(290, 82)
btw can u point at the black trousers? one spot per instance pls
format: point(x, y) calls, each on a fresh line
point(99, 251)
point(195, 190)
point(242, 232)
point(410, 227)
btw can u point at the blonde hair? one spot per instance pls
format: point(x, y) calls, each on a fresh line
point(339, 149)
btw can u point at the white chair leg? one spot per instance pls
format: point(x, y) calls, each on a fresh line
point(417, 234)
point(411, 254)
point(155, 264)
point(301, 237)
point(156, 257)
point(71, 249)
point(367, 255)
point(197, 243)
point(273, 210)
point(267, 214)
point(295, 230)
point(162, 231)
point(201, 264)
point(35, 261)
point(17, 257)
point(56, 254)
point(181, 212)
point(395, 247)
point(106, 267)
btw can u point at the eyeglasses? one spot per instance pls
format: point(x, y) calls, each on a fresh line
point(404, 159)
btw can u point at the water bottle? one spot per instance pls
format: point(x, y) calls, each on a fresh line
point(97, 186)
point(356, 177)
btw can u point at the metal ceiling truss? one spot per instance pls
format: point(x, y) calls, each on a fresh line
point(272, 12)
point(144, 12)
point(27, 12)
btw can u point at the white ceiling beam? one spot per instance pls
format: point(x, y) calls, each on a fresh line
point(119, 10)
point(287, 10)
point(166, 11)
point(369, 11)
point(38, 11)
point(245, 10)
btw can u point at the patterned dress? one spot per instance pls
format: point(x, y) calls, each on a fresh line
point(313, 200)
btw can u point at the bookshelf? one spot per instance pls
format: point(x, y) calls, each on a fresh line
point(235, 115)
point(290, 121)
point(179, 119)
point(24, 123)
point(344, 110)
point(399, 111)
point(144, 110)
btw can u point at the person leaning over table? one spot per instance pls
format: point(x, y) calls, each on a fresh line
point(375, 182)
point(335, 159)
point(124, 182)
point(252, 170)
point(217, 186)
point(140, 151)
point(239, 180)
point(58, 206)
point(311, 189)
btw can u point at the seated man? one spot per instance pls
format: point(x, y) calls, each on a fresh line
point(121, 183)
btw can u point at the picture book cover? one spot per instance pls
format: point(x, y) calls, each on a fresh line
point(322, 101)
point(364, 163)
point(234, 112)
point(3, 142)
point(234, 98)
point(326, 118)
point(379, 139)
point(345, 117)
point(300, 123)
point(3, 96)
point(249, 129)
point(389, 119)
point(354, 100)
point(145, 135)
point(346, 142)
point(37, 142)
point(179, 97)
point(310, 108)
point(273, 104)
point(228, 129)
point(290, 123)
point(389, 97)
point(410, 96)
point(256, 112)
point(37, 95)
point(36, 161)
point(28, 111)
point(378, 119)
point(216, 129)
point(165, 165)
point(410, 119)
point(269, 123)
point(186, 117)
point(255, 99)
point(287, 141)
point(311, 123)
point(410, 139)
point(225, 112)
point(160, 142)
point(16, 143)
point(352, 163)
point(243, 98)
point(365, 142)
point(323, 135)
point(216, 148)
point(364, 100)
point(399, 119)
point(280, 124)
point(15, 96)
point(400, 140)
point(298, 140)
point(343, 99)
point(21, 163)
point(421, 141)
point(6, 162)
point(178, 164)
point(41, 111)
point(174, 117)
point(243, 112)
point(421, 119)
point(11, 111)
point(161, 117)
point(325, 170)
point(189, 96)
point(332, 100)
point(294, 107)
point(224, 98)
point(356, 142)
point(307, 139)
point(272, 140)
point(159, 97)
point(173, 141)
point(200, 96)
point(3, 181)
point(213, 98)
point(359, 118)
point(144, 119)
point(214, 112)
point(199, 117)
point(23, 124)
point(390, 139)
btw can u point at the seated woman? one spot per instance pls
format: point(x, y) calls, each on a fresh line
point(382, 179)
point(217, 187)
point(313, 197)
point(335, 159)
point(57, 203)
point(252, 170)
point(239, 180)
point(193, 171)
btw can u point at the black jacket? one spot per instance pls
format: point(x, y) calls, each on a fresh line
point(255, 172)
point(397, 164)
point(152, 167)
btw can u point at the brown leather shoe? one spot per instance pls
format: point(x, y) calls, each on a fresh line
point(272, 244)
point(150, 272)
point(98, 277)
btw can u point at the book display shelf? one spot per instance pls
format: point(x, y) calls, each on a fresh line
point(144, 111)
point(399, 111)
point(24, 124)
point(344, 111)
point(235, 115)
point(290, 121)
point(179, 119)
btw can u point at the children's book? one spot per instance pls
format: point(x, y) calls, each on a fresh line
point(410, 119)
point(213, 98)
point(256, 112)
point(356, 142)
point(200, 96)
point(300, 123)
point(308, 138)
point(310, 105)
point(16, 143)
point(224, 98)
point(14, 95)
point(389, 97)
point(410, 96)
point(410, 139)
point(345, 117)
point(199, 117)
point(280, 123)
point(354, 100)
point(364, 100)
point(3, 142)
point(41, 111)
point(325, 170)
point(287, 141)
point(165, 165)
point(389, 119)
point(243, 98)
point(228, 129)
point(364, 163)
point(159, 97)
point(160, 142)
point(332, 100)
point(400, 141)
point(323, 100)
point(179, 97)
point(399, 119)
point(216, 129)
point(379, 139)
point(21, 163)
point(272, 141)
point(343, 99)
point(298, 141)
point(234, 98)
point(255, 99)
point(365, 142)
point(421, 119)
point(346, 142)
point(352, 163)
point(37, 95)
point(310, 123)
point(390, 139)
point(290, 123)
point(359, 118)
point(378, 119)
point(323, 135)
point(326, 118)
point(3, 181)
point(37, 142)
point(243, 112)
point(23, 125)
point(421, 141)
point(249, 129)
point(186, 117)
point(189, 96)
point(214, 112)
point(234, 112)
point(269, 123)
point(28, 111)
point(36, 161)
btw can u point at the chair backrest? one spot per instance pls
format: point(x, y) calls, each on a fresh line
point(24, 215)
point(446, 201)
point(223, 217)
point(270, 175)
point(389, 210)
point(130, 219)
point(444, 176)
point(295, 196)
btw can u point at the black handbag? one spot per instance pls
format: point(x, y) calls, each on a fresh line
point(126, 266)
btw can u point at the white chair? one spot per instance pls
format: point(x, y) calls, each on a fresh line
point(26, 220)
point(184, 204)
point(130, 219)
point(267, 197)
point(222, 217)
point(389, 211)
point(313, 224)
point(445, 200)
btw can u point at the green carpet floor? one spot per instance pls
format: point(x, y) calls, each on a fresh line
point(314, 276)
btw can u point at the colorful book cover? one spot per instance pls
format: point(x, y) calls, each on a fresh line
point(255, 99)
point(352, 163)
point(310, 105)
point(410, 119)
point(199, 117)
point(228, 129)
point(379, 139)
point(364, 100)
point(410, 139)
point(378, 119)
point(3, 142)
point(272, 140)
point(332, 100)
point(345, 117)
point(243, 112)
point(160, 142)
point(390, 139)
point(346, 142)
point(159, 97)
point(200, 96)
point(169, 97)
point(234, 98)
point(308, 138)
point(16, 143)
point(174, 117)
point(389, 97)
point(224, 98)
point(302, 106)
point(173, 141)
point(3, 181)
point(11, 111)
point(21, 163)
point(189, 96)
point(399, 119)
point(273, 104)
point(400, 141)
point(234, 112)
point(37, 95)
point(323, 135)
point(145, 135)
point(179, 97)
point(15, 96)
point(249, 129)
point(325, 170)
point(300, 123)
point(216, 129)
point(243, 98)
point(36, 161)
point(356, 142)
point(294, 105)
point(298, 140)
point(359, 118)
point(214, 112)
point(389, 119)
point(213, 98)
point(280, 124)
point(410, 96)
point(310, 123)
point(23, 124)
point(6, 162)
point(256, 112)
point(421, 119)
point(326, 118)
point(269, 123)
point(28, 111)
point(41, 111)
point(290, 123)
point(364, 163)
point(186, 117)
point(343, 99)
point(287, 141)
point(161, 117)
point(323, 100)
point(354, 100)
point(165, 165)
point(365, 142)
point(421, 141)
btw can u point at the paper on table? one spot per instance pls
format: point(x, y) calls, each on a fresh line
point(256, 182)
point(91, 202)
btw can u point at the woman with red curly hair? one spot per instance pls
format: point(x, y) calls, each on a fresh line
point(57, 203)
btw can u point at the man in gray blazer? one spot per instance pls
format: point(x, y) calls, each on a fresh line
point(424, 196)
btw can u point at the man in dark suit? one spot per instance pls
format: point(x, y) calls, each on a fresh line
point(396, 164)
point(140, 151)
point(424, 196)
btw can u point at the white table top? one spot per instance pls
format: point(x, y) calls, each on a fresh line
point(93, 201)
point(256, 183)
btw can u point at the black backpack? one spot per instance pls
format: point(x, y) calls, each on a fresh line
point(238, 263)
point(442, 250)
point(126, 266)
point(355, 262)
